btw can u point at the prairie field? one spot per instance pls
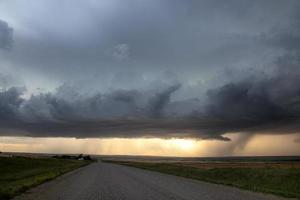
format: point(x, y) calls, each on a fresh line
point(17, 174)
point(280, 178)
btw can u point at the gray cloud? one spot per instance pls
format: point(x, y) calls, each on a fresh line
point(241, 107)
point(6, 37)
point(121, 52)
point(193, 39)
point(160, 100)
point(10, 101)
point(6, 81)
point(151, 69)
point(68, 104)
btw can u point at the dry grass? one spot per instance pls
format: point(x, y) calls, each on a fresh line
point(17, 174)
point(277, 178)
point(255, 165)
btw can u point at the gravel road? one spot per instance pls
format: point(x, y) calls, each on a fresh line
point(115, 182)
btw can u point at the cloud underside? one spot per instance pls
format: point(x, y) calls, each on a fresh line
point(268, 105)
point(163, 128)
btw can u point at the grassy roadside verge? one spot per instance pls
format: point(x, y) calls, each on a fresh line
point(279, 181)
point(17, 174)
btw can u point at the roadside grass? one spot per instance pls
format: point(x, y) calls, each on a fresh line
point(17, 174)
point(274, 180)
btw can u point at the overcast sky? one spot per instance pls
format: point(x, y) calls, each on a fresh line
point(140, 68)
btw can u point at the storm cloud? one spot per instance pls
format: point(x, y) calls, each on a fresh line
point(164, 69)
point(5, 35)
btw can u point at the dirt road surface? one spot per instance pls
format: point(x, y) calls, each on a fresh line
point(105, 181)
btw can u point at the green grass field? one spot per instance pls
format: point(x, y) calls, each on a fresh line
point(18, 174)
point(280, 181)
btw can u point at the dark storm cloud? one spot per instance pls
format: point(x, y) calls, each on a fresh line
point(269, 94)
point(227, 67)
point(67, 104)
point(131, 113)
point(272, 101)
point(160, 100)
point(10, 101)
point(117, 114)
point(6, 33)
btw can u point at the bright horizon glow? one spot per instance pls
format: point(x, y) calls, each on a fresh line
point(184, 144)
point(258, 145)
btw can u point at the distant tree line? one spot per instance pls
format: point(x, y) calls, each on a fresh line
point(79, 157)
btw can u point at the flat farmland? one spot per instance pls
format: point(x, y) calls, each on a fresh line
point(254, 165)
point(280, 178)
point(18, 174)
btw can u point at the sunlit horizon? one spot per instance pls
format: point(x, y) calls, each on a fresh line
point(257, 145)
